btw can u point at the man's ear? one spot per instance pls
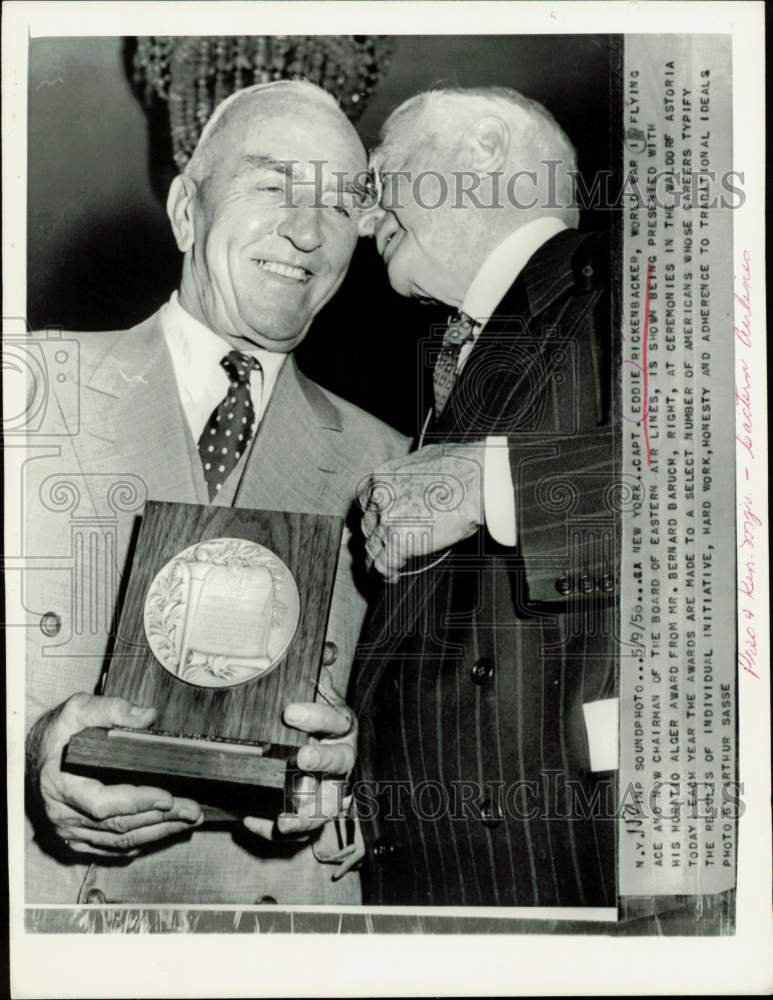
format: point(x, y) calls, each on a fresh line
point(179, 207)
point(486, 144)
point(369, 219)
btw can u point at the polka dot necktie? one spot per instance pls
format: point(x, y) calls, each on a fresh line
point(229, 429)
point(458, 333)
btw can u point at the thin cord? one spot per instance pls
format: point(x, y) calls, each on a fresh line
point(442, 556)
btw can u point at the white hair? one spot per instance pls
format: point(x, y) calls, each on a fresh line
point(432, 123)
point(199, 165)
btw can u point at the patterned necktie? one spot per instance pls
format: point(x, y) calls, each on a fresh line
point(229, 429)
point(458, 333)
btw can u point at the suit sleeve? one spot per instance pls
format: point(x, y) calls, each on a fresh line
point(63, 577)
point(566, 485)
point(566, 510)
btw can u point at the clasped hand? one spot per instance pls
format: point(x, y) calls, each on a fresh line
point(421, 504)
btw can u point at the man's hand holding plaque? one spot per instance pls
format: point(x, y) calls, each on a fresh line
point(319, 791)
point(91, 817)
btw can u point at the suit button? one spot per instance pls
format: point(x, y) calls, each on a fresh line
point(586, 585)
point(482, 670)
point(50, 624)
point(265, 901)
point(329, 654)
point(490, 812)
point(95, 897)
point(606, 583)
point(385, 850)
point(564, 586)
point(587, 271)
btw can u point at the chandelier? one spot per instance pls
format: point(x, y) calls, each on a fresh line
point(194, 74)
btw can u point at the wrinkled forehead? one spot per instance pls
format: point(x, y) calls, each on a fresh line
point(313, 134)
point(398, 164)
point(406, 136)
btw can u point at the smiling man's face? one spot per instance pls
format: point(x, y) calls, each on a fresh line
point(274, 226)
point(410, 239)
point(423, 237)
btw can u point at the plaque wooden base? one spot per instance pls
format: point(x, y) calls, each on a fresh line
point(219, 734)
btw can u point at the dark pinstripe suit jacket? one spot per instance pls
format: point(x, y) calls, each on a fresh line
point(474, 785)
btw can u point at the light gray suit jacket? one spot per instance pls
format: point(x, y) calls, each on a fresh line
point(115, 435)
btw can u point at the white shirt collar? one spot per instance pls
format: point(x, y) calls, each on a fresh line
point(196, 354)
point(504, 264)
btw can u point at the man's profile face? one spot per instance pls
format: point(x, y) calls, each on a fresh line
point(416, 236)
point(270, 251)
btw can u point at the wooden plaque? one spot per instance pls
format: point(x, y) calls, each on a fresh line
point(222, 625)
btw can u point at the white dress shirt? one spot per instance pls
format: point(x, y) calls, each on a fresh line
point(201, 380)
point(486, 291)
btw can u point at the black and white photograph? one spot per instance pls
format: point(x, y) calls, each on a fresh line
point(386, 521)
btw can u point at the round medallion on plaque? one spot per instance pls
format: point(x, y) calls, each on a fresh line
point(221, 612)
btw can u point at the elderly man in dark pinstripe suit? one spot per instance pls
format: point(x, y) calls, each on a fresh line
point(486, 680)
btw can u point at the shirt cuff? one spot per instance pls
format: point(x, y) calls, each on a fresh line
point(498, 497)
point(602, 726)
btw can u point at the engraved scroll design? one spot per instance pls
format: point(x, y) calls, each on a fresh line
point(240, 574)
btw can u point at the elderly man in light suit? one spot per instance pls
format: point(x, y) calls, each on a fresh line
point(261, 258)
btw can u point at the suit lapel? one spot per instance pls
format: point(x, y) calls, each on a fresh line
point(136, 423)
point(548, 274)
point(477, 401)
point(297, 460)
point(135, 415)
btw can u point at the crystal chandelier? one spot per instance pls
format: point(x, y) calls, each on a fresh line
point(194, 74)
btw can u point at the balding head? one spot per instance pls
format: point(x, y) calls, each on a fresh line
point(261, 102)
point(428, 132)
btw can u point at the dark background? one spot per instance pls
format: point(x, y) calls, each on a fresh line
point(100, 252)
